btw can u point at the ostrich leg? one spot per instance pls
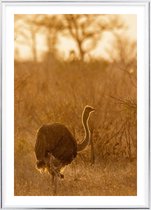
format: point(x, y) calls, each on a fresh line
point(54, 180)
point(54, 171)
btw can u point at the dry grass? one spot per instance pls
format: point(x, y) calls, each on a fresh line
point(81, 179)
point(55, 91)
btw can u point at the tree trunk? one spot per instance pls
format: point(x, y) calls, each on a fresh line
point(34, 50)
point(81, 51)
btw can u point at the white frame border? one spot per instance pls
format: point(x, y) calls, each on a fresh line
point(147, 60)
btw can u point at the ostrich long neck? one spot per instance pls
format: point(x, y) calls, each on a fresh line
point(81, 146)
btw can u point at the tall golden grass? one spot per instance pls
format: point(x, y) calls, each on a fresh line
point(57, 91)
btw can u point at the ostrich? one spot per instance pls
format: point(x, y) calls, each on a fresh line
point(56, 147)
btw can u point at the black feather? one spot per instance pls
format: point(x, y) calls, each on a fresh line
point(57, 140)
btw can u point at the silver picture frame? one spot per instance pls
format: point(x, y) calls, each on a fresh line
point(8, 200)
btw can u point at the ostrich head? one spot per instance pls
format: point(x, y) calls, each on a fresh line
point(87, 111)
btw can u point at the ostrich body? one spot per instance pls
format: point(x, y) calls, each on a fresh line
point(56, 147)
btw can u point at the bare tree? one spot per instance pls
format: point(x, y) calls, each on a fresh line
point(86, 30)
point(51, 25)
point(26, 32)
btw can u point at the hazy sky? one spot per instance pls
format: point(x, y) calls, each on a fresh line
point(66, 44)
point(131, 21)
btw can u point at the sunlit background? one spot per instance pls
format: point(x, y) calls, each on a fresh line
point(33, 34)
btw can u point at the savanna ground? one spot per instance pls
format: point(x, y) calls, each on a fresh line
point(57, 91)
